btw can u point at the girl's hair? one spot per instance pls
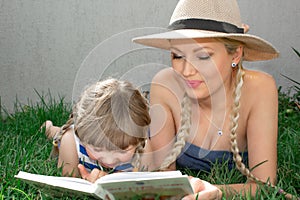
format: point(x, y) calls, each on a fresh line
point(111, 115)
point(231, 47)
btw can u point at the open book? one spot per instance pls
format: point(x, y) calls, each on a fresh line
point(123, 185)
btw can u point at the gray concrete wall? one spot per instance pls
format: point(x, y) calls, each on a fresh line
point(43, 43)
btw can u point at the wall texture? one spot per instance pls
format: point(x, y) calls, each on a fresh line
point(50, 45)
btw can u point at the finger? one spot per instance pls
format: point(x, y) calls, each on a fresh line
point(209, 191)
point(93, 176)
point(83, 172)
point(196, 184)
point(203, 190)
point(101, 173)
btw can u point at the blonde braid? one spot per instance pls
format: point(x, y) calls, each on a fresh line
point(137, 158)
point(234, 125)
point(57, 138)
point(62, 131)
point(231, 46)
point(234, 148)
point(182, 134)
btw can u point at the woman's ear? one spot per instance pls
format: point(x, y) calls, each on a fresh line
point(245, 27)
point(237, 56)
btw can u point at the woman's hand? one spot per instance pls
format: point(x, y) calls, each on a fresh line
point(90, 176)
point(203, 190)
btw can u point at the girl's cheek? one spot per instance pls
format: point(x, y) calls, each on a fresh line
point(128, 157)
point(98, 156)
point(90, 154)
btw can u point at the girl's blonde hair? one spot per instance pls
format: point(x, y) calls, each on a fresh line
point(111, 115)
point(184, 131)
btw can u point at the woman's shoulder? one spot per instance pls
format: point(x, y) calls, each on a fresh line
point(259, 85)
point(166, 85)
point(258, 80)
point(163, 75)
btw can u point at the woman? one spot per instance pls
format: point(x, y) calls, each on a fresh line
point(207, 108)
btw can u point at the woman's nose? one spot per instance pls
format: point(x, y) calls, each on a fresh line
point(188, 69)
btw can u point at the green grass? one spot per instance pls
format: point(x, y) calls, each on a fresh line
point(24, 147)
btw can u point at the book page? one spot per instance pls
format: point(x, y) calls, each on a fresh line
point(138, 176)
point(158, 187)
point(129, 185)
point(53, 180)
point(60, 186)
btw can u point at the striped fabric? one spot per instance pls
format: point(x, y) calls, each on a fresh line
point(91, 164)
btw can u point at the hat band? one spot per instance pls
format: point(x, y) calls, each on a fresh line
point(205, 24)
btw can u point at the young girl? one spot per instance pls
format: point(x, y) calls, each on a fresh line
point(106, 131)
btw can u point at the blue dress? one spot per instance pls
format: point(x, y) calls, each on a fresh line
point(198, 159)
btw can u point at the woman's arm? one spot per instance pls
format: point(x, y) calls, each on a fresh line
point(162, 128)
point(262, 129)
point(260, 94)
point(163, 101)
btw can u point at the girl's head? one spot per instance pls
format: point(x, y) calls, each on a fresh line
point(111, 115)
point(111, 120)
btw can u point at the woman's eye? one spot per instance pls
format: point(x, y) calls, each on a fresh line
point(175, 56)
point(203, 57)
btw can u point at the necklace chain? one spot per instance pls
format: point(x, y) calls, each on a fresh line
point(220, 132)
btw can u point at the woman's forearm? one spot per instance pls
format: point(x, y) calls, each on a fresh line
point(239, 188)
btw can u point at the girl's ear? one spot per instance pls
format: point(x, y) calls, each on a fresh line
point(131, 147)
point(237, 56)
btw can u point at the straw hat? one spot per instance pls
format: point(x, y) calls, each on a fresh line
point(210, 19)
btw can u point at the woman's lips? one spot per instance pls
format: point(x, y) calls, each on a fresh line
point(193, 83)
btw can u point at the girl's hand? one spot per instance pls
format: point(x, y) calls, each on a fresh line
point(203, 190)
point(90, 176)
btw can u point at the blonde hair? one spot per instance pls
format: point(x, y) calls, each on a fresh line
point(231, 47)
point(182, 134)
point(111, 115)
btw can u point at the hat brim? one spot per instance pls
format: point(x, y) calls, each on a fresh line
point(255, 48)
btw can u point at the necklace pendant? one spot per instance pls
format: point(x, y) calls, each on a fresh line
point(220, 132)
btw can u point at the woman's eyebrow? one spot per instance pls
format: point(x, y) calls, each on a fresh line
point(201, 48)
point(173, 48)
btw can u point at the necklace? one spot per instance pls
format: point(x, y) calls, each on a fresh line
point(220, 132)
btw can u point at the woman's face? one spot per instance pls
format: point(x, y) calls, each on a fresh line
point(203, 65)
point(111, 159)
